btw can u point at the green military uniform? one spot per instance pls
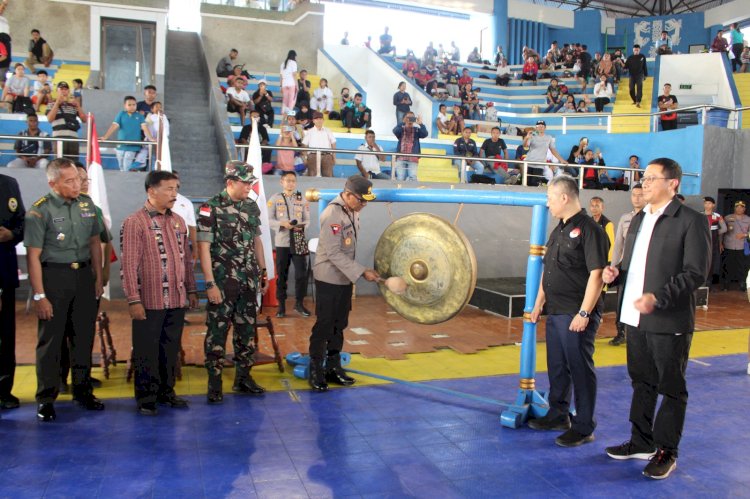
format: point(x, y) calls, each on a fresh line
point(62, 230)
point(231, 227)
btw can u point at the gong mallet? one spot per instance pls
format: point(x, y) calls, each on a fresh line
point(396, 285)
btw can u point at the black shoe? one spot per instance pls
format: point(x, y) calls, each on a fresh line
point(617, 341)
point(572, 438)
point(661, 465)
point(173, 401)
point(301, 310)
point(215, 398)
point(90, 403)
point(338, 376)
point(248, 386)
point(559, 423)
point(281, 312)
point(9, 402)
point(627, 450)
point(46, 412)
point(148, 409)
point(64, 387)
point(95, 383)
point(317, 379)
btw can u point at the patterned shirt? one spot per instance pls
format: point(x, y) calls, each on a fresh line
point(157, 269)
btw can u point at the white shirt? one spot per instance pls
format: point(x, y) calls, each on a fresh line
point(185, 209)
point(603, 90)
point(637, 271)
point(323, 95)
point(322, 138)
point(443, 118)
point(152, 121)
point(287, 74)
point(370, 162)
point(241, 96)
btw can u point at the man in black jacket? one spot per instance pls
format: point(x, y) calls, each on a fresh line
point(666, 257)
point(636, 66)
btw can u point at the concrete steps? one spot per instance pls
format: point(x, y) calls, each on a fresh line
point(623, 104)
point(742, 80)
point(434, 169)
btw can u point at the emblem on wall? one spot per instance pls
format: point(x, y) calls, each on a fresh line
point(645, 32)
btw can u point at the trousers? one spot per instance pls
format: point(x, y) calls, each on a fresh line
point(283, 258)
point(238, 309)
point(334, 301)
point(635, 86)
point(7, 341)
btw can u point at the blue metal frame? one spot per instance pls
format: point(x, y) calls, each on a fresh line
point(529, 401)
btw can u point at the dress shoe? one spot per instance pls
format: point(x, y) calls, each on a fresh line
point(46, 412)
point(215, 398)
point(147, 409)
point(617, 340)
point(301, 310)
point(9, 402)
point(248, 386)
point(95, 383)
point(338, 376)
point(317, 379)
point(173, 401)
point(559, 423)
point(90, 403)
point(572, 438)
point(281, 312)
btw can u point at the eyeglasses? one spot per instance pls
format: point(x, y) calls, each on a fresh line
point(648, 180)
point(361, 200)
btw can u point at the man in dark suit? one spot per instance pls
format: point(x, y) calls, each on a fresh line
point(666, 259)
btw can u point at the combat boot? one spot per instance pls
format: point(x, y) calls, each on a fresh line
point(281, 312)
point(244, 383)
point(215, 395)
point(317, 377)
point(335, 373)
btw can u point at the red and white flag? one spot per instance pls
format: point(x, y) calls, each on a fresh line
point(97, 187)
point(255, 159)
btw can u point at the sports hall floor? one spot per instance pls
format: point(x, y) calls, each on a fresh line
point(379, 439)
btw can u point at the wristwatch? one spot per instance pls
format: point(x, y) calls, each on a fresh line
point(39, 296)
point(583, 314)
point(210, 284)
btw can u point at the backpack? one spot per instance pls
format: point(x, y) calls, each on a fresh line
point(479, 178)
point(334, 115)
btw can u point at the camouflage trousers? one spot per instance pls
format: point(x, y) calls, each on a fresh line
point(238, 312)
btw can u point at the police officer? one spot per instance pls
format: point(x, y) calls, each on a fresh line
point(288, 215)
point(64, 258)
point(335, 271)
point(571, 289)
point(736, 263)
point(11, 233)
point(234, 267)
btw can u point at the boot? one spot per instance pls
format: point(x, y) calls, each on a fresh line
point(299, 307)
point(244, 383)
point(335, 373)
point(620, 338)
point(215, 395)
point(281, 312)
point(317, 377)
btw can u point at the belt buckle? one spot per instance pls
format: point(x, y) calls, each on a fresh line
point(75, 265)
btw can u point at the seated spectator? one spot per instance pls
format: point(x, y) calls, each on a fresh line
point(16, 92)
point(554, 98)
point(39, 51)
point(247, 130)
point(456, 123)
point(465, 79)
point(344, 98)
point(745, 60)
point(226, 65)
point(631, 178)
point(490, 113)
point(386, 44)
point(502, 74)
point(263, 100)
point(455, 54)
point(408, 133)
point(470, 103)
point(304, 116)
point(553, 55)
point(238, 100)
point(355, 114)
point(31, 153)
point(569, 62)
point(42, 90)
point(530, 71)
point(606, 68)
point(570, 105)
point(423, 79)
point(430, 54)
point(129, 124)
point(618, 60)
point(5, 55)
point(451, 81)
point(442, 121)
point(499, 56)
point(78, 90)
point(322, 99)
point(402, 101)
point(528, 52)
point(410, 65)
point(602, 93)
point(149, 97)
point(236, 73)
point(591, 175)
point(583, 106)
point(303, 88)
point(664, 44)
point(474, 56)
point(285, 159)
point(495, 147)
point(319, 137)
point(466, 146)
point(369, 164)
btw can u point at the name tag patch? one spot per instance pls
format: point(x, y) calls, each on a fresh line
point(87, 214)
point(58, 220)
point(575, 233)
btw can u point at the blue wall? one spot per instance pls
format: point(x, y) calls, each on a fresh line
point(587, 31)
point(526, 33)
point(687, 27)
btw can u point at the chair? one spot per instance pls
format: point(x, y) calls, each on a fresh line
point(312, 245)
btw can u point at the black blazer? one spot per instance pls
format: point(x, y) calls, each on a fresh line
point(676, 265)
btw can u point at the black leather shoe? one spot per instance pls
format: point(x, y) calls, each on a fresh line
point(248, 386)
point(338, 376)
point(46, 412)
point(301, 310)
point(95, 383)
point(561, 423)
point(317, 379)
point(215, 398)
point(173, 401)
point(90, 403)
point(617, 340)
point(148, 409)
point(281, 312)
point(9, 402)
point(572, 438)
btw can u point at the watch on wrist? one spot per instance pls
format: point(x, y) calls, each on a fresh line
point(583, 314)
point(210, 284)
point(39, 296)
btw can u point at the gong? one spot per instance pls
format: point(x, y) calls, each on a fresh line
point(437, 262)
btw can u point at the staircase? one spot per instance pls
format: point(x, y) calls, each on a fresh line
point(742, 80)
point(192, 138)
point(434, 169)
point(623, 104)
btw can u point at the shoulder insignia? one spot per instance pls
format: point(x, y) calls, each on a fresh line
point(12, 205)
point(204, 210)
point(39, 202)
point(270, 204)
point(335, 228)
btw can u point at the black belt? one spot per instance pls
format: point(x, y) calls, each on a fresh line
point(72, 265)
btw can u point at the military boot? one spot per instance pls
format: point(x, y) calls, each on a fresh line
point(317, 377)
point(620, 338)
point(244, 383)
point(335, 373)
point(215, 395)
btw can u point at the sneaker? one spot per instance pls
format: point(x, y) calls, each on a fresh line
point(661, 465)
point(559, 423)
point(627, 450)
point(572, 438)
point(617, 341)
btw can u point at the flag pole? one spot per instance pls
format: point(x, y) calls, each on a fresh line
point(89, 116)
point(159, 141)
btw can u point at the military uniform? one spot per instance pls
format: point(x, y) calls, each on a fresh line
point(12, 213)
point(735, 262)
point(285, 209)
point(62, 230)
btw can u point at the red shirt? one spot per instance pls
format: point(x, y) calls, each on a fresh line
point(465, 79)
point(530, 68)
point(157, 265)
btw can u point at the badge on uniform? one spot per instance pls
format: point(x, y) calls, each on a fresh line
point(575, 233)
point(348, 241)
point(13, 205)
point(58, 220)
point(205, 211)
point(61, 237)
point(336, 228)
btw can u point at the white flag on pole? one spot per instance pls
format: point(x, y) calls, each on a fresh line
point(162, 122)
point(97, 187)
point(258, 194)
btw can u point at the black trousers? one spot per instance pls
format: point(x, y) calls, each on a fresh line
point(283, 258)
point(600, 102)
point(668, 125)
point(636, 88)
point(156, 344)
point(73, 298)
point(737, 51)
point(334, 301)
point(570, 361)
point(7, 341)
point(65, 350)
point(656, 365)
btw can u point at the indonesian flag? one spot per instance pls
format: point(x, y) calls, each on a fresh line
point(165, 162)
point(97, 187)
point(254, 159)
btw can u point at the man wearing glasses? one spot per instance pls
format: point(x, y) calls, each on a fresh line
point(665, 260)
point(335, 271)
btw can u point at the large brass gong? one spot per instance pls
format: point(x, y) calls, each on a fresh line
point(437, 262)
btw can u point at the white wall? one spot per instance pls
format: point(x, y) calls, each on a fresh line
point(736, 11)
point(559, 18)
point(380, 81)
point(336, 79)
point(705, 72)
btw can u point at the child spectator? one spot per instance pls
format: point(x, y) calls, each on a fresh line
point(451, 81)
point(42, 90)
point(442, 121)
point(322, 99)
point(530, 71)
point(456, 123)
point(402, 101)
point(344, 98)
point(423, 79)
point(470, 103)
point(78, 90)
point(582, 106)
point(16, 91)
point(236, 73)
point(304, 116)
point(263, 100)
point(152, 122)
point(129, 124)
point(149, 97)
point(410, 65)
point(238, 101)
point(554, 98)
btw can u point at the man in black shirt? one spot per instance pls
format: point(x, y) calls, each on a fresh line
point(636, 66)
point(495, 147)
point(583, 75)
point(571, 289)
point(666, 102)
point(247, 130)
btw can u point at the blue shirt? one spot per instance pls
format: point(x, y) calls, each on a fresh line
point(736, 36)
point(130, 129)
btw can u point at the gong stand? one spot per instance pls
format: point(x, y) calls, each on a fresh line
point(529, 402)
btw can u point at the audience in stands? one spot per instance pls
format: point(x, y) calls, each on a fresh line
point(386, 44)
point(632, 177)
point(467, 147)
point(455, 54)
point(465, 79)
point(606, 68)
point(719, 43)
point(456, 123)
point(42, 90)
point(442, 121)
point(618, 59)
point(502, 73)
point(149, 97)
point(129, 125)
point(16, 92)
point(319, 137)
point(410, 65)
point(263, 100)
point(247, 131)
point(63, 116)
point(430, 55)
point(369, 164)
point(553, 55)
point(636, 67)
point(226, 65)
point(470, 103)
point(154, 121)
point(499, 56)
point(345, 40)
point(40, 51)
point(577, 156)
point(554, 97)
point(591, 175)
point(451, 81)
point(285, 159)
point(602, 93)
point(585, 70)
point(299, 130)
point(303, 88)
point(663, 44)
point(322, 99)
point(409, 132)
point(236, 74)
point(238, 100)
point(304, 116)
point(31, 153)
point(402, 101)
point(583, 106)
point(495, 148)
point(745, 60)
point(570, 105)
point(344, 98)
point(288, 79)
point(667, 102)
point(539, 143)
point(474, 56)
point(423, 79)
point(355, 114)
point(78, 90)
point(5, 56)
point(530, 71)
